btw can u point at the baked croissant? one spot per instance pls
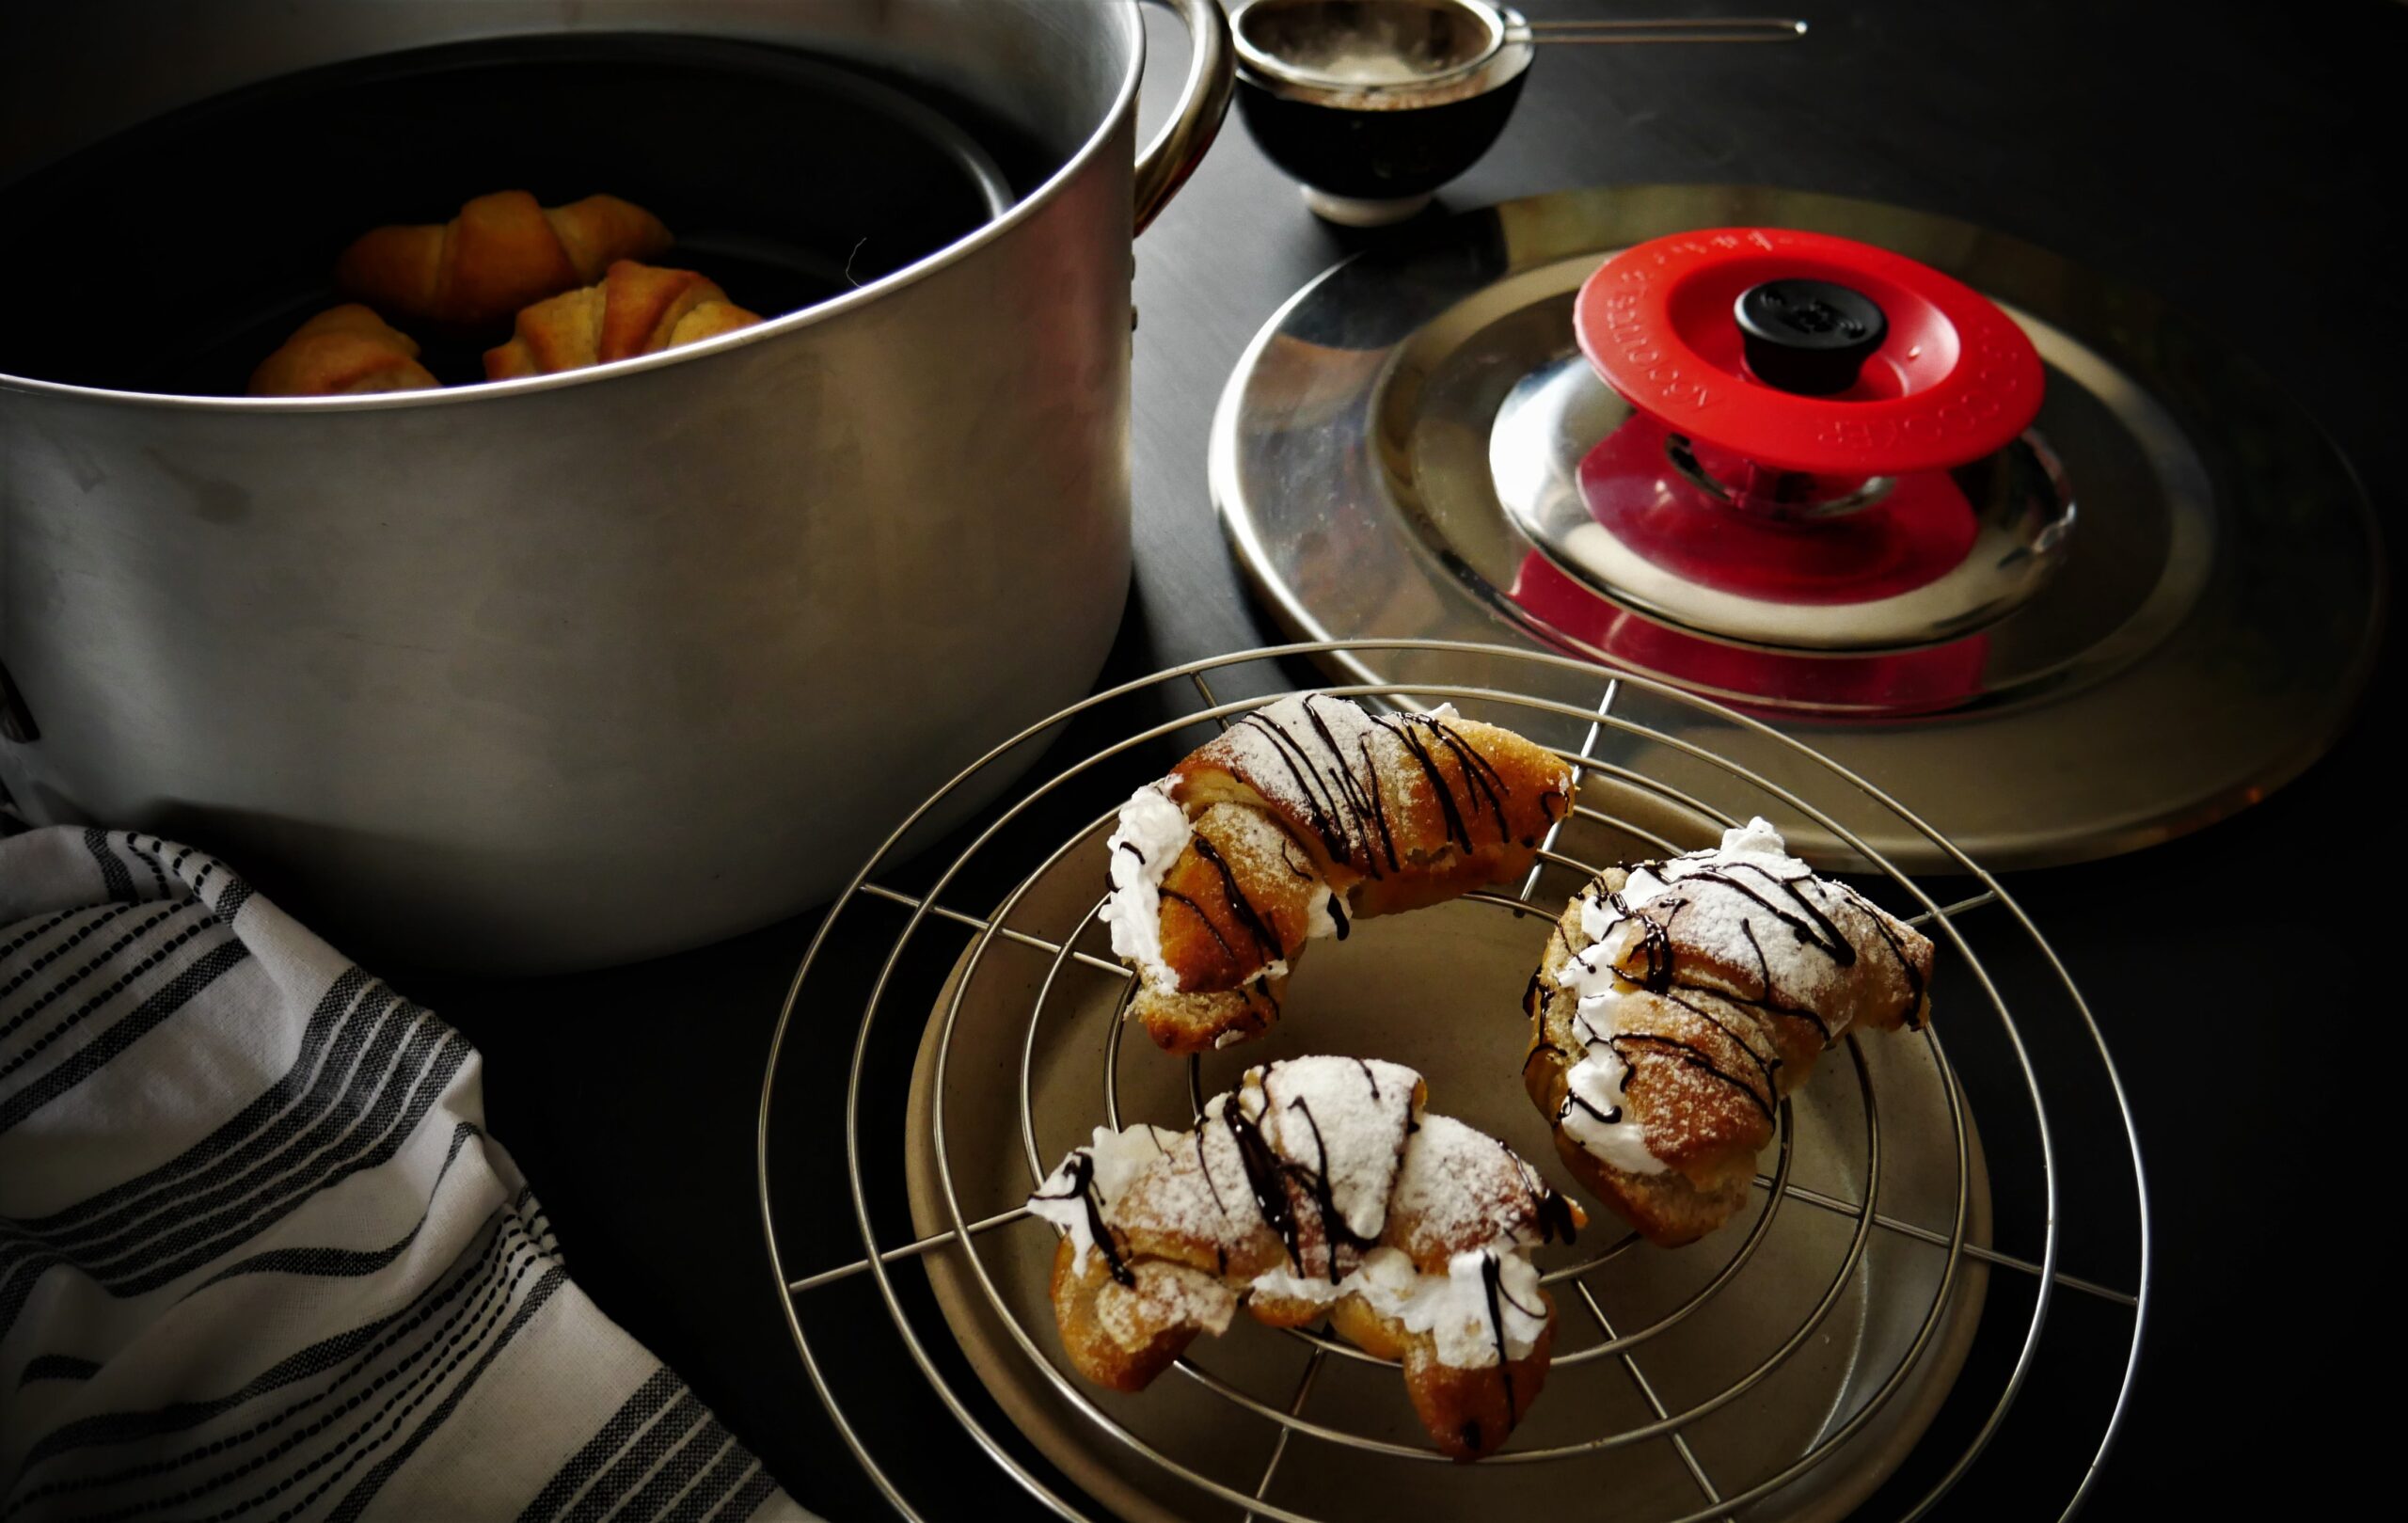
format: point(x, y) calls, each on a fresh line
point(344, 351)
point(1296, 818)
point(636, 309)
point(1317, 1187)
point(502, 252)
point(1679, 1001)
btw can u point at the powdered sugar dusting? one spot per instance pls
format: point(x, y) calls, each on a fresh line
point(1437, 1191)
point(1747, 904)
point(1199, 1194)
point(1325, 761)
point(1284, 753)
point(1460, 1188)
point(1340, 1120)
point(1345, 1118)
point(1164, 1295)
point(1427, 1188)
point(1249, 836)
point(1102, 1172)
point(1726, 944)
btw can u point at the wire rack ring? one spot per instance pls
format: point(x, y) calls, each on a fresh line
point(959, 1238)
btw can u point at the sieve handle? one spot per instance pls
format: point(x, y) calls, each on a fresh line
point(1669, 29)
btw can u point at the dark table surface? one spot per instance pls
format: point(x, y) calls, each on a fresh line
point(2232, 159)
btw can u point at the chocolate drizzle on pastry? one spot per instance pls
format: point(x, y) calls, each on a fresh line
point(1492, 1279)
point(1279, 1181)
point(1337, 790)
point(1913, 1019)
point(1424, 1225)
point(1270, 1175)
point(1266, 1177)
point(1203, 917)
point(1312, 792)
point(1367, 814)
point(1810, 925)
point(1240, 905)
point(1081, 1187)
point(1739, 965)
point(1552, 1213)
point(1695, 1058)
point(1479, 776)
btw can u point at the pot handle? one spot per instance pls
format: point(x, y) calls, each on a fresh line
point(1203, 101)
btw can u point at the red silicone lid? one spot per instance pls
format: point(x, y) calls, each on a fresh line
point(1954, 380)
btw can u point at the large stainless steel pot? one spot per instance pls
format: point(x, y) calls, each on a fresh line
point(577, 670)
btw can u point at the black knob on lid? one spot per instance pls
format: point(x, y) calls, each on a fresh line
point(1810, 337)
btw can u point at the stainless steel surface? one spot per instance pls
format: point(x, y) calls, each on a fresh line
point(2205, 637)
point(1358, 56)
point(1381, 45)
point(585, 668)
point(1554, 415)
point(1788, 1279)
point(1204, 100)
point(1696, 1378)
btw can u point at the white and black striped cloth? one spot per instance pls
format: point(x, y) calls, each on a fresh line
point(258, 1259)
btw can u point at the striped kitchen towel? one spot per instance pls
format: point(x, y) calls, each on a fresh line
point(258, 1259)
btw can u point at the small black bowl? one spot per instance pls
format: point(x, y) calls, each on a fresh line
point(1373, 104)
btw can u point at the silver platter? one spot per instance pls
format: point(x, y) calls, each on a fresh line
point(2205, 637)
point(1869, 1322)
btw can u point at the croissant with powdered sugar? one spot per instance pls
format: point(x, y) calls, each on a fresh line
point(1678, 1001)
point(1318, 1187)
point(1299, 817)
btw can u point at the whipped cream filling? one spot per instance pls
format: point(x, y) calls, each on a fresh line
point(1756, 843)
point(1287, 1285)
point(1080, 1192)
point(1319, 922)
point(1151, 832)
point(1595, 1113)
point(1610, 922)
point(1454, 1307)
point(1757, 837)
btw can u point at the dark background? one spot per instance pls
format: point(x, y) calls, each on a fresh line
point(2242, 161)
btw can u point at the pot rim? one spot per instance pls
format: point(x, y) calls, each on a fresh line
point(1027, 207)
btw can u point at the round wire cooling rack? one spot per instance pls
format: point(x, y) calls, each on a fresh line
point(1935, 1365)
